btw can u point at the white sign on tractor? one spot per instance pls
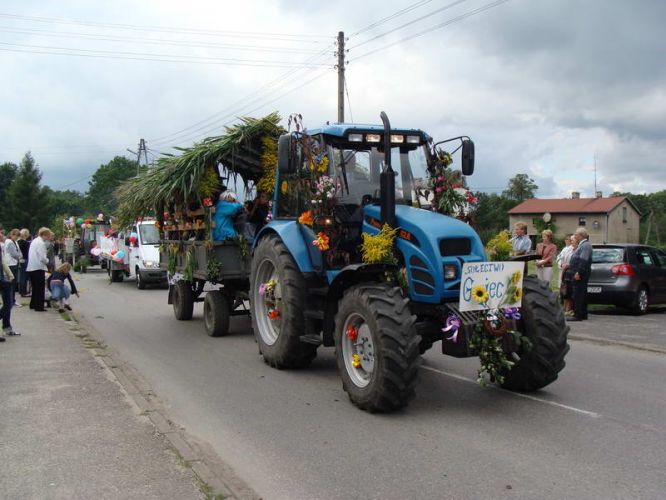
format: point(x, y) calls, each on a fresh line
point(491, 285)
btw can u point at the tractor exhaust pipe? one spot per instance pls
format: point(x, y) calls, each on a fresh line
point(387, 178)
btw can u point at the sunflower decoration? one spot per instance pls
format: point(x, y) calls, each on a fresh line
point(516, 295)
point(516, 277)
point(480, 294)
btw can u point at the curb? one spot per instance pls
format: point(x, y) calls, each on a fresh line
point(217, 477)
point(629, 345)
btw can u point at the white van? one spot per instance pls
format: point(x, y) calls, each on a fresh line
point(143, 244)
point(134, 253)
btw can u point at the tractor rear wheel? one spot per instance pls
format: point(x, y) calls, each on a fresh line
point(543, 324)
point(277, 297)
point(216, 313)
point(183, 300)
point(377, 347)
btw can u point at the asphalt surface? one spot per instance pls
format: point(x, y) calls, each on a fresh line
point(68, 431)
point(597, 432)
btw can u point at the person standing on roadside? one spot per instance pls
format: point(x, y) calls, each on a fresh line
point(546, 250)
point(563, 263)
point(23, 244)
point(580, 267)
point(13, 260)
point(521, 242)
point(37, 266)
point(7, 292)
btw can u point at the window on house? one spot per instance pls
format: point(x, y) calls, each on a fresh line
point(624, 214)
point(581, 221)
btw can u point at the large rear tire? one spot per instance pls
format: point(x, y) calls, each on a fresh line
point(183, 300)
point(279, 338)
point(543, 323)
point(377, 347)
point(216, 313)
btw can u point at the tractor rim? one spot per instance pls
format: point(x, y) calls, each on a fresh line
point(269, 329)
point(363, 347)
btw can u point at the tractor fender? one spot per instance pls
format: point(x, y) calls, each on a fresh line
point(348, 276)
point(297, 240)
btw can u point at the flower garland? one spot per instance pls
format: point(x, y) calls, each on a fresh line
point(490, 330)
point(445, 188)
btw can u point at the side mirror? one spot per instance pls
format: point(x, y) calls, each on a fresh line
point(288, 155)
point(467, 157)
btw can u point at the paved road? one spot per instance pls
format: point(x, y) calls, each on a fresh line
point(597, 432)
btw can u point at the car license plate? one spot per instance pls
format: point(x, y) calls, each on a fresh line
point(593, 289)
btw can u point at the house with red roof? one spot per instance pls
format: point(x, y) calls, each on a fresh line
point(608, 220)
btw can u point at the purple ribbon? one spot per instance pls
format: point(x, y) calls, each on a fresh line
point(453, 324)
point(512, 313)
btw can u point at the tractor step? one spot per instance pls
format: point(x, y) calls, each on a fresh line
point(311, 338)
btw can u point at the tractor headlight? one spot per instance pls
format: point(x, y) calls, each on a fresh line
point(373, 137)
point(413, 139)
point(449, 272)
point(355, 137)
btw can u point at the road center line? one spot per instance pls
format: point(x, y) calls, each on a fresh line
point(518, 394)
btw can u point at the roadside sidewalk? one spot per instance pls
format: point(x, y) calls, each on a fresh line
point(67, 428)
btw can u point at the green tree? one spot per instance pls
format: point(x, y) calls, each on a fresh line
point(491, 214)
point(68, 202)
point(28, 203)
point(520, 188)
point(7, 174)
point(104, 182)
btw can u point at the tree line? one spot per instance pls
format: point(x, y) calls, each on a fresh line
point(26, 203)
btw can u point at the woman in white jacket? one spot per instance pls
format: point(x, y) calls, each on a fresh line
point(37, 267)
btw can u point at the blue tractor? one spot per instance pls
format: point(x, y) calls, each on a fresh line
point(303, 297)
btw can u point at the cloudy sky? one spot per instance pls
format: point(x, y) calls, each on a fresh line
point(544, 87)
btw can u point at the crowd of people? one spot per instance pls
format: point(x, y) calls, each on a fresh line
point(26, 261)
point(574, 262)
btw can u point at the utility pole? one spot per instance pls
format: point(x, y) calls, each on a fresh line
point(595, 175)
point(142, 151)
point(341, 76)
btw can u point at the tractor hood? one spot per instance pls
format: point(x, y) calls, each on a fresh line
point(429, 243)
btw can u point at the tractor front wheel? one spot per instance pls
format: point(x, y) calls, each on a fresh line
point(543, 324)
point(377, 347)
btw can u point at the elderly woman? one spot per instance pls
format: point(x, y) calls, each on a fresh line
point(226, 209)
point(546, 250)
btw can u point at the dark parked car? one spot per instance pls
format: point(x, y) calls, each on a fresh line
point(625, 275)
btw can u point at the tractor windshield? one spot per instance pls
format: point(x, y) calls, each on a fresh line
point(362, 166)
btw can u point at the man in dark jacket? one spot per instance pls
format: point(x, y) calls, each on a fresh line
point(580, 266)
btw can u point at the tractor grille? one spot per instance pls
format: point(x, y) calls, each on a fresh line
point(455, 246)
point(424, 283)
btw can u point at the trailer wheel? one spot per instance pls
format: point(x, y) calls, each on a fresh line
point(140, 282)
point(277, 317)
point(216, 314)
point(377, 347)
point(543, 323)
point(183, 300)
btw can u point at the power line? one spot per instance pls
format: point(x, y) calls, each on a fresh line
point(436, 27)
point(147, 56)
point(351, 115)
point(222, 115)
point(391, 17)
point(155, 41)
point(166, 29)
point(413, 21)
